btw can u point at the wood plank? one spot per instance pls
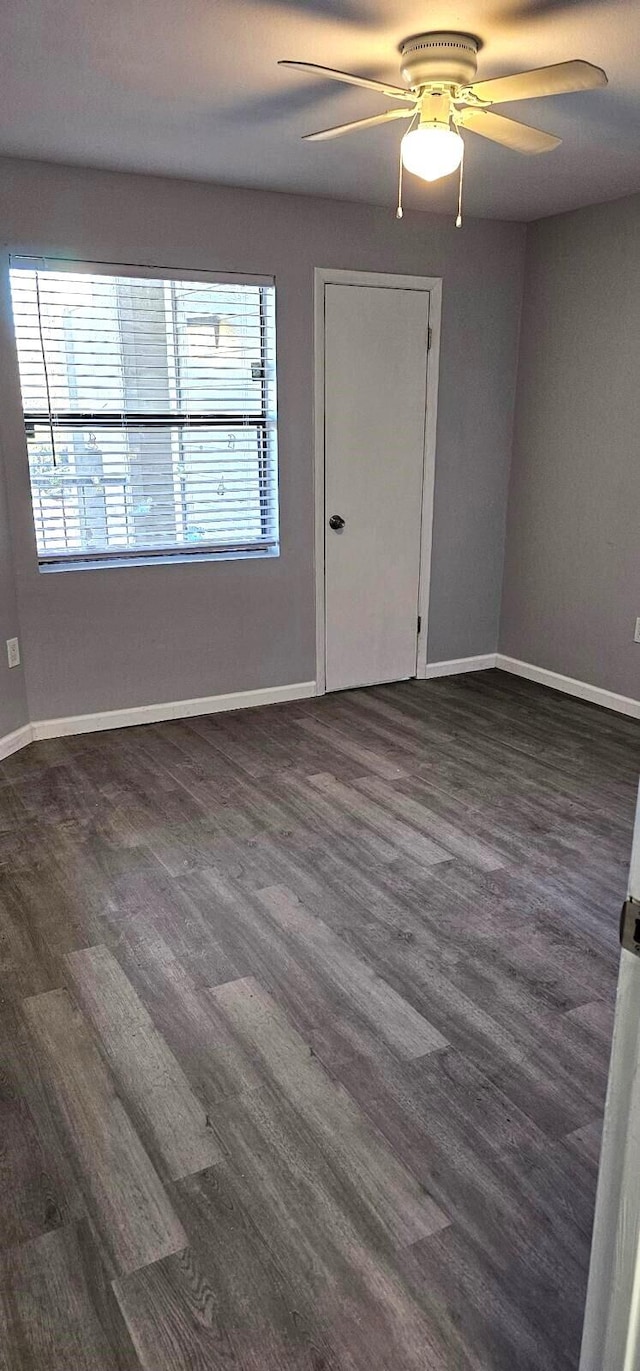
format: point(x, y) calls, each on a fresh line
point(155, 1088)
point(366, 845)
point(41, 1191)
point(483, 1305)
point(325, 1238)
point(57, 1309)
point(151, 904)
point(399, 1204)
point(447, 835)
point(587, 1141)
point(33, 1194)
point(189, 1020)
point(349, 801)
point(312, 1000)
point(336, 739)
point(27, 963)
point(122, 1190)
point(515, 1196)
point(407, 1031)
point(223, 1300)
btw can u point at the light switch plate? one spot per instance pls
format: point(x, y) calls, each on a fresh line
point(13, 652)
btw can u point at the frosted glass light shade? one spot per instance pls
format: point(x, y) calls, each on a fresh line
point(432, 151)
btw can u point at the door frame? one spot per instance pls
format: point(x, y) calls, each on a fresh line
point(329, 276)
point(611, 1332)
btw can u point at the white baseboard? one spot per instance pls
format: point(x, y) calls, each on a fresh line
point(172, 709)
point(582, 690)
point(12, 742)
point(596, 695)
point(459, 664)
point(301, 690)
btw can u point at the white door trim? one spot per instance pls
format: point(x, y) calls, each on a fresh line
point(324, 276)
point(611, 1333)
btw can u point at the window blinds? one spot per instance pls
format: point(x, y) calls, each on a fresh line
point(150, 413)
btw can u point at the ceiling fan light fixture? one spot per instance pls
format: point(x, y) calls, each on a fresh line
point(439, 69)
point(432, 151)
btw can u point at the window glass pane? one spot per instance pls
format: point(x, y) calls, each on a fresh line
point(150, 413)
point(72, 323)
point(219, 336)
point(221, 488)
point(147, 487)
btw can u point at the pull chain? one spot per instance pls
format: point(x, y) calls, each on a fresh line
point(412, 125)
point(399, 210)
point(459, 217)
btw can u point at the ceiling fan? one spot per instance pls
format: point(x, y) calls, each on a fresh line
point(442, 97)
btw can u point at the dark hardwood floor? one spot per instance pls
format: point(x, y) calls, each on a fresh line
point(304, 1029)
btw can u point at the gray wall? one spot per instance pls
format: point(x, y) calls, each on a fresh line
point(572, 566)
point(105, 639)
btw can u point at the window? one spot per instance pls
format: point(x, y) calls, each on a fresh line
point(150, 413)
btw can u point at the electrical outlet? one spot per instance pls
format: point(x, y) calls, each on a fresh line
point(13, 652)
point(636, 636)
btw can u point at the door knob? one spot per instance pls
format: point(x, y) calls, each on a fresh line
point(336, 522)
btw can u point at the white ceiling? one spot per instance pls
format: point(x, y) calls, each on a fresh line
point(191, 88)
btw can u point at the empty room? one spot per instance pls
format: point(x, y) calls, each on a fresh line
point(319, 685)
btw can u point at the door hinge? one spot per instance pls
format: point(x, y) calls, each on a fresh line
point(630, 926)
point(419, 622)
point(429, 338)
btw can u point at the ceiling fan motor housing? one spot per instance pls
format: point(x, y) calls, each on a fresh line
point(449, 59)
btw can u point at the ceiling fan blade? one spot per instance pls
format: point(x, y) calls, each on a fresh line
point(358, 124)
point(508, 132)
point(560, 79)
point(396, 92)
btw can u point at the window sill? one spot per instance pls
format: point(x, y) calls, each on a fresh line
point(166, 559)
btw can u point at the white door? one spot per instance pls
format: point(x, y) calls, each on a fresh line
point(375, 365)
point(611, 1337)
